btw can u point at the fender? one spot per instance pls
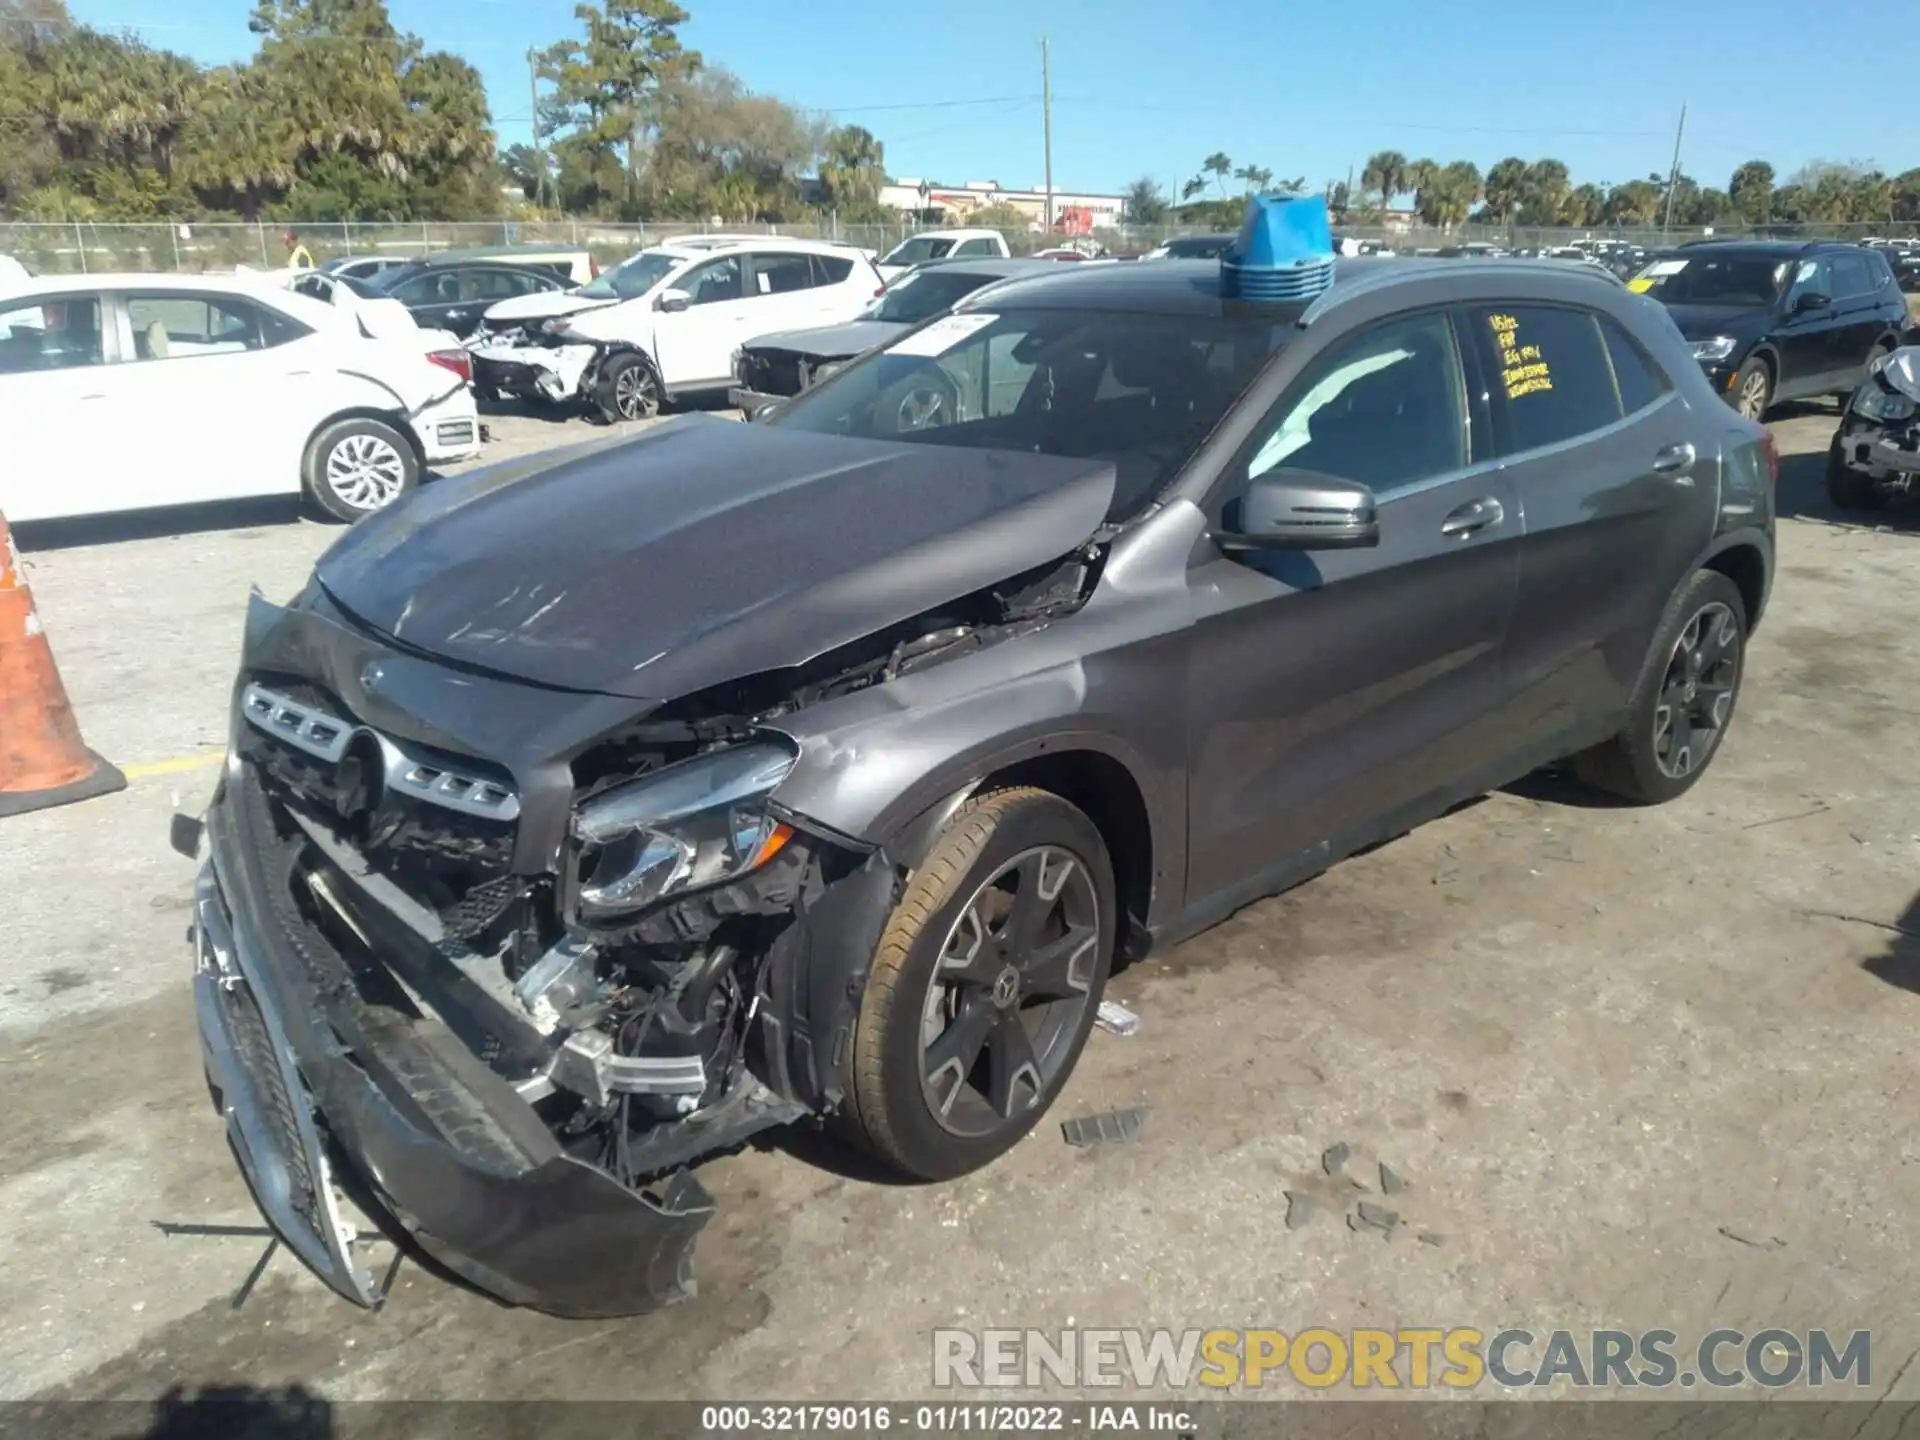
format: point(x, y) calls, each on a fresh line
point(1751, 537)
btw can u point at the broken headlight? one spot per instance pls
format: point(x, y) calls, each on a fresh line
point(1886, 406)
point(702, 822)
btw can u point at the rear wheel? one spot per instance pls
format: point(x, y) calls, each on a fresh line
point(1753, 389)
point(1847, 488)
point(628, 389)
point(983, 987)
point(1684, 700)
point(356, 466)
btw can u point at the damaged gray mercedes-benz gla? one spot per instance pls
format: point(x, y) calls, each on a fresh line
point(594, 813)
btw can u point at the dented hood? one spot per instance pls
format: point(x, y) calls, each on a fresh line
point(702, 551)
point(1901, 370)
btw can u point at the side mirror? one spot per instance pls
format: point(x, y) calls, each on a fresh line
point(673, 301)
point(1811, 300)
point(1300, 510)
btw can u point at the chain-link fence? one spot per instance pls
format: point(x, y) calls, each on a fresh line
point(65, 247)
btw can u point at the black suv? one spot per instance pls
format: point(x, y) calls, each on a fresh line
point(1773, 320)
point(454, 294)
point(591, 813)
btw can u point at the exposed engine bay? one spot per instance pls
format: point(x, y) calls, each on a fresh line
point(662, 991)
point(534, 360)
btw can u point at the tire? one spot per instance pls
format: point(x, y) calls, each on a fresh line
point(356, 466)
point(1847, 488)
point(1643, 763)
point(939, 987)
point(1753, 389)
point(628, 389)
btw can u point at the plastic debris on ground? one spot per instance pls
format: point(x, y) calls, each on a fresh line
point(1116, 1127)
point(1114, 1017)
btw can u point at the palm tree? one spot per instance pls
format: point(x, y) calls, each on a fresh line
point(1506, 189)
point(1219, 167)
point(1584, 205)
point(1547, 188)
point(1385, 172)
point(1257, 177)
point(854, 167)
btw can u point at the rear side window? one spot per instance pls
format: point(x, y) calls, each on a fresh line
point(1851, 276)
point(1639, 379)
point(976, 248)
point(831, 269)
point(57, 333)
point(781, 274)
point(1551, 370)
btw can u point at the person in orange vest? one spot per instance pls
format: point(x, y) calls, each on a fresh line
point(298, 256)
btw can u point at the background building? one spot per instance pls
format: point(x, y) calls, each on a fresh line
point(1074, 213)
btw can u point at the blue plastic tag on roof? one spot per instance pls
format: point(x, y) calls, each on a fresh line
point(1285, 250)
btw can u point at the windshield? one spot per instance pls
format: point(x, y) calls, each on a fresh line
point(1139, 391)
point(1717, 279)
point(632, 277)
point(919, 249)
point(923, 294)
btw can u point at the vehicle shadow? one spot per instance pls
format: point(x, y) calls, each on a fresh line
point(172, 520)
point(1801, 493)
point(567, 412)
point(237, 1412)
point(1558, 785)
point(1899, 963)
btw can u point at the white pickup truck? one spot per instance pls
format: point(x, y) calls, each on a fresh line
point(941, 245)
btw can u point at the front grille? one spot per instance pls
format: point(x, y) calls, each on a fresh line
point(326, 736)
point(440, 827)
point(772, 372)
point(254, 1050)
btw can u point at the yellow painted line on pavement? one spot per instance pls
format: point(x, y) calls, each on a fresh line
point(175, 766)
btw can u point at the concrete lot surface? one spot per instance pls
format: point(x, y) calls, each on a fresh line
point(1638, 1068)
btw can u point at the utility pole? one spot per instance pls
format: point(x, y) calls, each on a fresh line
point(533, 93)
point(1046, 121)
point(1673, 175)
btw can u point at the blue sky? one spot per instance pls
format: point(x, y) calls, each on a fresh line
point(1302, 89)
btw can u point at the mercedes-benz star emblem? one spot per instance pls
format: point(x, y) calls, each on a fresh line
point(371, 677)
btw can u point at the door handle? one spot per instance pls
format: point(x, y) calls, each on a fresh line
point(1674, 459)
point(1473, 517)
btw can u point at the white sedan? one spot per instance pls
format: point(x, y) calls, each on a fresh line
point(124, 392)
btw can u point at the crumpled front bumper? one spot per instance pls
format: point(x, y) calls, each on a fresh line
point(1884, 452)
point(306, 1069)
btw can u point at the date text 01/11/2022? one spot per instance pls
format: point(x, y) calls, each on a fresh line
point(943, 1419)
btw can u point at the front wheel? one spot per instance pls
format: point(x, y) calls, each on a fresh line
point(1684, 700)
point(628, 389)
point(983, 987)
point(356, 466)
point(1753, 389)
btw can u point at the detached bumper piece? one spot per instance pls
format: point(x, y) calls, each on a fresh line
point(307, 1068)
point(1888, 454)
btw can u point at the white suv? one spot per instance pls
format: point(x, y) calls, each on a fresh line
point(664, 324)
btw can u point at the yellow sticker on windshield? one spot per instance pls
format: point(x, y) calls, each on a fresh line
point(1523, 369)
point(1642, 285)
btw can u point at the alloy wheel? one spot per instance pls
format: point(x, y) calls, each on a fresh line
point(635, 396)
point(1752, 399)
point(1697, 691)
point(1009, 991)
point(365, 471)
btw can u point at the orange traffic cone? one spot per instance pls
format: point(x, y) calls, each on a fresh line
point(43, 760)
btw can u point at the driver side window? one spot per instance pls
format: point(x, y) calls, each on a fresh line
point(1385, 407)
point(1811, 277)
